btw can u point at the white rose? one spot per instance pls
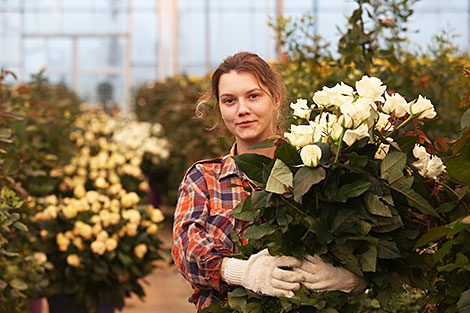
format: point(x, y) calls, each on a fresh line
point(300, 135)
point(351, 136)
point(101, 182)
point(324, 126)
point(92, 196)
point(50, 212)
point(79, 191)
point(152, 229)
point(78, 242)
point(156, 216)
point(98, 247)
point(321, 97)
point(435, 167)
point(311, 155)
point(383, 122)
point(301, 109)
point(371, 88)
point(423, 108)
point(396, 103)
point(340, 94)
point(73, 260)
point(51, 199)
point(83, 229)
point(382, 150)
point(102, 235)
point(69, 211)
point(420, 152)
point(140, 250)
point(358, 111)
point(114, 218)
point(131, 229)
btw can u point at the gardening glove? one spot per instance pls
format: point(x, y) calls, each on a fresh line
point(321, 276)
point(263, 273)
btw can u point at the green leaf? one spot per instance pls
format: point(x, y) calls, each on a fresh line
point(288, 154)
point(459, 166)
point(375, 206)
point(20, 226)
point(244, 211)
point(432, 235)
point(392, 166)
point(443, 250)
point(402, 185)
point(407, 143)
point(239, 292)
point(258, 231)
point(125, 259)
point(463, 305)
point(262, 145)
point(280, 176)
point(305, 178)
point(11, 165)
point(368, 260)
point(351, 190)
point(388, 250)
point(252, 165)
point(465, 121)
point(18, 284)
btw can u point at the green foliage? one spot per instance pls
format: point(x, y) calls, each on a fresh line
point(172, 103)
point(40, 140)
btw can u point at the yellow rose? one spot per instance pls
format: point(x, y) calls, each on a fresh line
point(89, 136)
point(140, 250)
point(101, 182)
point(152, 229)
point(129, 199)
point(102, 235)
point(114, 178)
point(69, 211)
point(69, 234)
point(92, 196)
point(69, 169)
point(132, 215)
point(82, 229)
point(96, 207)
point(78, 242)
point(131, 229)
point(95, 219)
point(50, 212)
point(51, 199)
point(62, 241)
point(40, 257)
point(98, 247)
point(114, 189)
point(114, 218)
point(157, 216)
point(79, 191)
point(144, 186)
point(82, 171)
point(97, 228)
point(111, 244)
point(73, 260)
point(43, 233)
point(93, 174)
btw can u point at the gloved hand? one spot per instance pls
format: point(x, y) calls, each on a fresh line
point(321, 276)
point(263, 273)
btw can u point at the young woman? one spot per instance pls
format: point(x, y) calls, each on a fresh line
point(249, 96)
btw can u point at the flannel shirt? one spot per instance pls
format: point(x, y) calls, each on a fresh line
point(201, 230)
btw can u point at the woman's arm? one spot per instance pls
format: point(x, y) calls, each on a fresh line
point(200, 240)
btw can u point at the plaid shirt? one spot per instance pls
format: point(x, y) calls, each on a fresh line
point(201, 230)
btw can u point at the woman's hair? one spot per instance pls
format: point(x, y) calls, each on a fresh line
point(241, 62)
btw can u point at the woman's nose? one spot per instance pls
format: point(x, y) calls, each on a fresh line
point(243, 108)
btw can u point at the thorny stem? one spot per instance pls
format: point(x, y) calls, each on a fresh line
point(339, 145)
point(293, 206)
point(412, 116)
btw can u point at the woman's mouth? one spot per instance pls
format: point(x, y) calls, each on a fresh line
point(245, 123)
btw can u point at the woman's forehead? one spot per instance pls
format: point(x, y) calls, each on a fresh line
point(239, 82)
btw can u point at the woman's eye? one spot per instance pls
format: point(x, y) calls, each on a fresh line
point(253, 96)
point(228, 101)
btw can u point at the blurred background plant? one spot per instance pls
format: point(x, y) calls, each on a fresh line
point(172, 103)
point(98, 232)
point(22, 271)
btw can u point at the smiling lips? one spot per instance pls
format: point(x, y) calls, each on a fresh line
point(246, 123)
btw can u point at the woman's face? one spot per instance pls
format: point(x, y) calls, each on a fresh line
point(246, 108)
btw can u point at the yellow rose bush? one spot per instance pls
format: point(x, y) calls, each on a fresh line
point(97, 231)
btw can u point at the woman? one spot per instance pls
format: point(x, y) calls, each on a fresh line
point(249, 95)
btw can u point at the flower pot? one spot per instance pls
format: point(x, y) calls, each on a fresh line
point(64, 304)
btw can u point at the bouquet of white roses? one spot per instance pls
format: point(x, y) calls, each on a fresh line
point(353, 183)
point(97, 232)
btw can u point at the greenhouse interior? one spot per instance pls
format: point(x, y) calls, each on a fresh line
point(234, 156)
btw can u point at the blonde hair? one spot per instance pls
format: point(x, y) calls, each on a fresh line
point(207, 108)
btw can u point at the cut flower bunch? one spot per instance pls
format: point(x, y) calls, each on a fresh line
point(354, 181)
point(97, 232)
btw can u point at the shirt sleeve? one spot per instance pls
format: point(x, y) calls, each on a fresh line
point(200, 240)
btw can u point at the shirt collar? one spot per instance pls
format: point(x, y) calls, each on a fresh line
point(229, 166)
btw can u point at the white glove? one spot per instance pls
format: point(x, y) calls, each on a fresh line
point(322, 276)
point(262, 273)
